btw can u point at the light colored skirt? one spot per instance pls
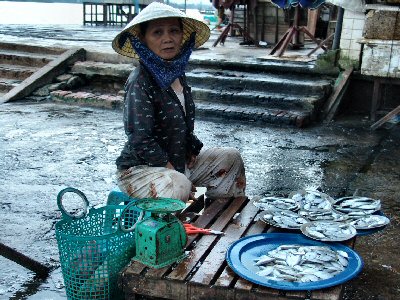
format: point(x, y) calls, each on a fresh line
point(220, 170)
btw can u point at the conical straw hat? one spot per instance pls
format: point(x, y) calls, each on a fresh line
point(154, 11)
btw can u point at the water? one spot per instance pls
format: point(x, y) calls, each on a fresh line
point(40, 13)
point(55, 13)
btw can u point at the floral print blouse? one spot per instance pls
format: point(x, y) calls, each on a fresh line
point(156, 125)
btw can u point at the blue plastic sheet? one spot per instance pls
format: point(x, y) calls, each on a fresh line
point(285, 4)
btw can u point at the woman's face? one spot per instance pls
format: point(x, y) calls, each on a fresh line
point(164, 37)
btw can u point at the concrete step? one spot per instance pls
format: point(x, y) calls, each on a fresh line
point(30, 48)
point(25, 58)
point(256, 114)
point(298, 84)
point(205, 109)
point(25, 68)
point(16, 71)
point(271, 65)
point(258, 98)
point(238, 92)
point(89, 98)
point(7, 85)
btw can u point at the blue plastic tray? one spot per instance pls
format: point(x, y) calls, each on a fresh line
point(241, 255)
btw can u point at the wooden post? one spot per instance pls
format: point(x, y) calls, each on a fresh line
point(105, 11)
point(386, 118)
point(334, 100)
point(313, 15)
point(376, 96)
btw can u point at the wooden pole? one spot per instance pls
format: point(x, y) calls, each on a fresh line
point(23, 260)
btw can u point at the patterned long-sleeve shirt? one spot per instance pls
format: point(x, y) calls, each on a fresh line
point(157, 128)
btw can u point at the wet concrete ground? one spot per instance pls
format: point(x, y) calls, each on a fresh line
point(46, 147)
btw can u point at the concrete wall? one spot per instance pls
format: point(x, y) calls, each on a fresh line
point(352, 32)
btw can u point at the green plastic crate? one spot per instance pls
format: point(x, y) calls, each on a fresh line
point(94, 248)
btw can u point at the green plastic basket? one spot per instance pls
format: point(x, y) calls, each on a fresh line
point(94, 247)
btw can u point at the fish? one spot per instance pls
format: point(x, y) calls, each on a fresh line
point(274, 202)
point(311, 200)
point(299, 263)
point(284, 219)
point(329, 230)
point(370, 221)
point(354, 205)
point(328, 215)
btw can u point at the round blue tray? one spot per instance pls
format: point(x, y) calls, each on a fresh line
point(241, 255)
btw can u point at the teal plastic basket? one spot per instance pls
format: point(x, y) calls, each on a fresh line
point(95, 246)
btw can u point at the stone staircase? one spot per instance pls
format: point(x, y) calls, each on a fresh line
point(273, 92)
point(24, 68)
point(285, 96)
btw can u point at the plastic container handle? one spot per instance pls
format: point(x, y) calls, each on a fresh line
point(126, 230)
point(62, 208)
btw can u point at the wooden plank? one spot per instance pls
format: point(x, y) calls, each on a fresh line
point(185, 267)
point(278, 294)
point(376, 96)
point(333, 293)
point(334, 100)
point(258, 227)
point(202, 292)
point(386, 118)
point(297, 294)
point(216, 258)
point(44, 75)
point(228, 276)
point(153, 287)
point(136, 268)
point(312, 19)
point(203, 221)
point(40, 269)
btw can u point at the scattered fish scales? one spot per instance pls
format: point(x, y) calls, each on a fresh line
point(329, 231)
point(301, 263)
point(311, 200)
point(273, 202)
point(284, 219)
point(370, 221)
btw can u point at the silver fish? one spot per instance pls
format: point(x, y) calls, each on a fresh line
point(311, 200)
point(282, 203)
point(284, 219)
point(301, 263)
point(328, 215)
point(370, 221)
point(329, 230)
point(355, 204)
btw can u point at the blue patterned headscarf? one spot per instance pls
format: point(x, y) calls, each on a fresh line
point(164, 71)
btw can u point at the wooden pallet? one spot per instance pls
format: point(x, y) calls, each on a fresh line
point(204, 274)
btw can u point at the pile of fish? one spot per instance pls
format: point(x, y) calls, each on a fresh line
point(284, 219)
point(356, 206)
point(371, 221)
point(329, 231)
point(312, 200)
point(267, 203)
point(324, 215)
point(305, 206)
point(300, 263)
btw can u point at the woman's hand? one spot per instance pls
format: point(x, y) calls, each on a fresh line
point(170, 166)
point(192, 194)
point(191, 161)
